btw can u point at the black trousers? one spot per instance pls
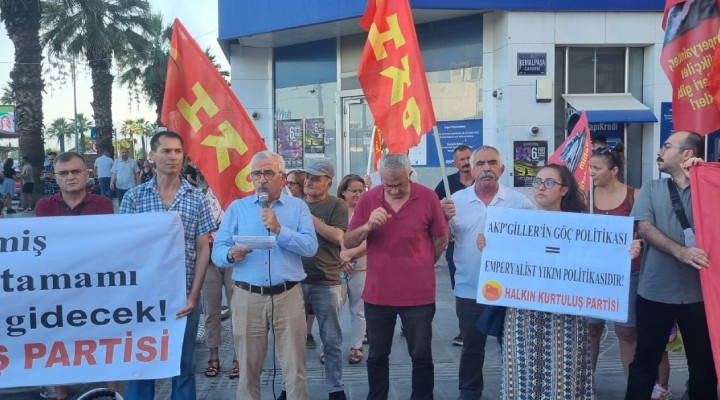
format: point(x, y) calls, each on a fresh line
point(472, 358)
point(654, 321)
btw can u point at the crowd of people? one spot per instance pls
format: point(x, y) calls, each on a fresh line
point(375, 246)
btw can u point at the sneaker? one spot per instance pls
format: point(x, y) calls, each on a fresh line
point(225, 313)
point(337, 395)
point(283, 396)
point(310, 342)
point(458, 340)
point(11, 211)
point(48, 392)
point(660, 393)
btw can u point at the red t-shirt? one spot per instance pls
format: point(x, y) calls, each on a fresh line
point(54, 206)
point(400, 253)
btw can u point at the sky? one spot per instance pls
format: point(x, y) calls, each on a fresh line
point(201, 22)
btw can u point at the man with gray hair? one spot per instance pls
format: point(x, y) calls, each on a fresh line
point(406, 233)
point(267, 296)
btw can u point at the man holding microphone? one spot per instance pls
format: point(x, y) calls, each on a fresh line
point(267, 296)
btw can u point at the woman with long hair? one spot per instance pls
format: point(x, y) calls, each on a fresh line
point(9, 184)
point(354, 267)
point(613, 197)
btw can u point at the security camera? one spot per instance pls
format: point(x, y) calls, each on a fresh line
point(534, 130)
point(255, 115)
point(498, 94)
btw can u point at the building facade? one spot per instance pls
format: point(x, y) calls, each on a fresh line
point(509, 74)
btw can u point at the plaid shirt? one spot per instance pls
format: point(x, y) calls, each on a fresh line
point(51, 186)
point(189, 202)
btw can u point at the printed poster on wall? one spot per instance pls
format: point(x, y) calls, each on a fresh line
point(558, 269)
point(290, 142)
point(452, 134)
point(529, 157)
point(314, 136)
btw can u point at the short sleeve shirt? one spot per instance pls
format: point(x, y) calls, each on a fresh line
point(663, 278)
point(125, 173)
point(401, 253)
point(324, 267)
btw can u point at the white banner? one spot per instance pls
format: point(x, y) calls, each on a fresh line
point(560, 262)
point(90, 298)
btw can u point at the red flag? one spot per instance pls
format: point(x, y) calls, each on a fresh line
point(691, 36)
point(219, 135)
point(705, 190)
point(377, 147)
point(575, 153)
point(392, 75)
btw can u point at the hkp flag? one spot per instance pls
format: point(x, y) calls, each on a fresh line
point(219, 135)
point(575, 153)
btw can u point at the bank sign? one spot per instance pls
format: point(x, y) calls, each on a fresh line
point(531, 63)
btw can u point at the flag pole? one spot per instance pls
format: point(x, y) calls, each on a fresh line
point(591, 195)
point(371, 152)
point(438, 146)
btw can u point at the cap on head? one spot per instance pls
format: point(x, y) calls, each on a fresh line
point(321, 168)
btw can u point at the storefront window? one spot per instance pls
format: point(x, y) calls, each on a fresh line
point(305, 88)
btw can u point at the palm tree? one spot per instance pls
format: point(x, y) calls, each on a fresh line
point(22, 22)
point(130, 129)
point(83, 124)
point(146, 72)
point(61, 129)
point(98, 30)
point(8, 96)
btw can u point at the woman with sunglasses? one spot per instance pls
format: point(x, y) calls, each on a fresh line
point(354, 267)
point(613, 197)
point(546, 355)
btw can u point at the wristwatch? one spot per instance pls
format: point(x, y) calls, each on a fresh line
point(230, 257)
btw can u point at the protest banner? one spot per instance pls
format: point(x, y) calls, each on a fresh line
point(91, 298)
point(565, 263)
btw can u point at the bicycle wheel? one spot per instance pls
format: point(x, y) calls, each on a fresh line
point(100, 394)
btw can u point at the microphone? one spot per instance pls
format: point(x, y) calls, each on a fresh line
point(263, 198)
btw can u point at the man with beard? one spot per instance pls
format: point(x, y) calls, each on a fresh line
point(669, 289)
point(466, 213)
point(457, 181)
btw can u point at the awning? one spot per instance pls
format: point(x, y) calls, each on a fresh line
point(611, 107)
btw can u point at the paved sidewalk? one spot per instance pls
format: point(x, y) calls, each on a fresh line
point(610, 380)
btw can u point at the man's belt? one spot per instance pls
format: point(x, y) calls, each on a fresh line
point(275, 289)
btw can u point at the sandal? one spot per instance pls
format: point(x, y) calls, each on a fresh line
point(213, 368)
point(356, 355)
point(235, 371)
point(322, 357)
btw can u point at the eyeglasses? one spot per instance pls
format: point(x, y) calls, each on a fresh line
point(668, 146)
point(549, 183)
point(256, 175)
point(67, 172)
point(391, 187)
point(355, 191)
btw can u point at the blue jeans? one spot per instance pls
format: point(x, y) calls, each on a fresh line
point(183, 385)
point(105, 187)
point(417, 321)
point(472, 358)
point(120, 194)
point(325, 303)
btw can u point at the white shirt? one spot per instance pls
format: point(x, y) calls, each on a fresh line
point(125, 173)
point(467, 224)
point(103, 165)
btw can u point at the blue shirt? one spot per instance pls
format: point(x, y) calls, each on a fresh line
point(189, 203)
point(297, 239)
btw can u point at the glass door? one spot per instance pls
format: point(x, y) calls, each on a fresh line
point(357, 125)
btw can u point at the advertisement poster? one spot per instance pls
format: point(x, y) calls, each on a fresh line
point(290, 142)
point(558, 269)
point(314, 135)
point(66, 320)
point(7, 119)
point(452, 134)
point(529, 157)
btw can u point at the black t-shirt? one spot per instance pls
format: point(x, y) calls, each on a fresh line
point(9, 172)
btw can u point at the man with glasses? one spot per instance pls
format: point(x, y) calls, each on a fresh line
point(166, 191)
point(466, 213)
point(406, 234)
point(669, 289)
point(267, 297)
point(71, 175)
point(323, 288)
